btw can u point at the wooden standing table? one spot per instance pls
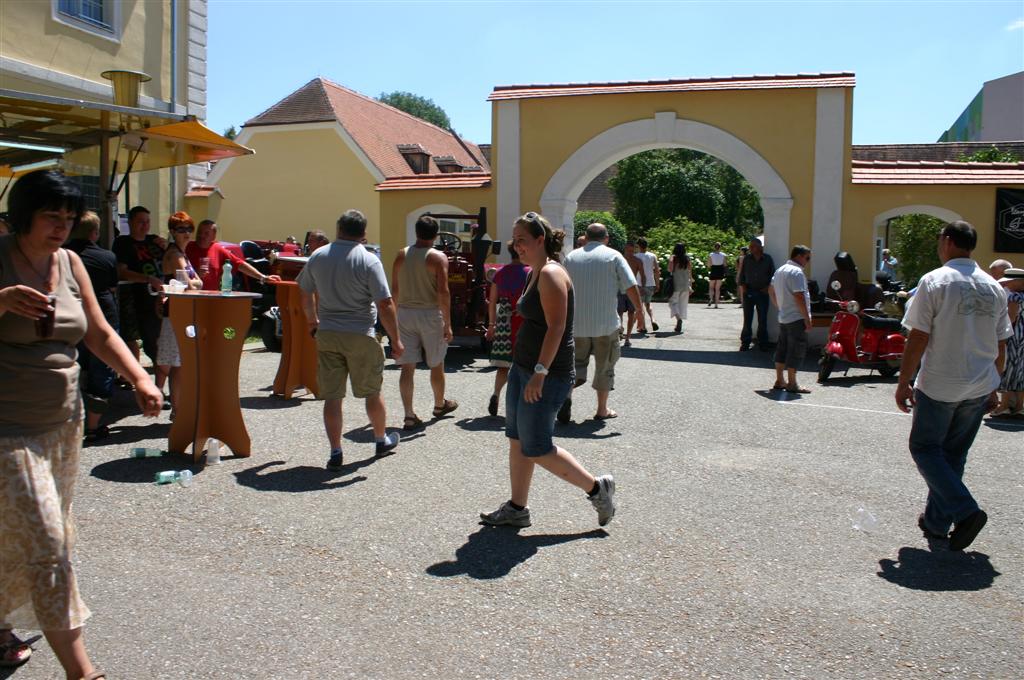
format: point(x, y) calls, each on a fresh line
point(298, 365)
point(210, 328)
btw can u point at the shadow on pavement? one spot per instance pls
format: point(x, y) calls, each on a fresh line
point(586, 429)
point(938, 569)
point(482, 424)
point(299, 479)
point(752, 359)
point(142, 470)
point(778, 395)
point(364, 434)
point(1003, 424)
point(859, 376)
point(269, 403)
point(492, 552)
point(130, 434)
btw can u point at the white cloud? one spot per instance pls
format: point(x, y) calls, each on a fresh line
point(1015, 25)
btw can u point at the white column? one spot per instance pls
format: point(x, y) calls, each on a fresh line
point(561, 213)
point(507, 169)
point(776, 243)
point(827, 215)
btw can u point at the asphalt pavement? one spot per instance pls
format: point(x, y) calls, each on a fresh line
point(732, 554)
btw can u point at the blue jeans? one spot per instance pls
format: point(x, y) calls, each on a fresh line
point(755, 299)
point(533, 424)
point(940, 438)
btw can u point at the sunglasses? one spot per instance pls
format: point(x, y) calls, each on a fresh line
point(183, 230)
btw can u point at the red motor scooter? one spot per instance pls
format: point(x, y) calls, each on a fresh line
point(861, 339)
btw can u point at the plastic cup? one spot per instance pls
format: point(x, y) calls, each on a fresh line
point(182, 276)
point(44, 324)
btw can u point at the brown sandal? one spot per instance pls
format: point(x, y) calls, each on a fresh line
point(448, 407)
point(96, 675)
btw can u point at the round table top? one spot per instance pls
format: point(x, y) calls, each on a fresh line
point(212, 294)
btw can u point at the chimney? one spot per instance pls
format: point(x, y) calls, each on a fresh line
point(417, 158)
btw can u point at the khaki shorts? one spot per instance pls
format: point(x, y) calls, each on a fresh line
point(422, 333)
point(606, 352)
point(344, 355)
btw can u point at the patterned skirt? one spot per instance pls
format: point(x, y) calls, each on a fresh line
point(505, 329)
point(1013, 375)
point(38, 589)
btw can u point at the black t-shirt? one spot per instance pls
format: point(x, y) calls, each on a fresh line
point(101, 265)
point(144, 257)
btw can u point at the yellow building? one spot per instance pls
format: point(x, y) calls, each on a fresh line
point(324, 149)
point(60, 48)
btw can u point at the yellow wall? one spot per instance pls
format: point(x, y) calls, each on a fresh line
point(777, 124)
point(298, 179)
point(144, 44)
point(395, 207)
point(976, 203)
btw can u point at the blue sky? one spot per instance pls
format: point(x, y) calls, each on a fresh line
point(918, 64)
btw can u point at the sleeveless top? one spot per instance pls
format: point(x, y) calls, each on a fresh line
point(531, 335)
point(417, 286)
point(188, 265)
point(39, 376)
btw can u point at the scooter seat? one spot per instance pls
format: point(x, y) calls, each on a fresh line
point(882, 323)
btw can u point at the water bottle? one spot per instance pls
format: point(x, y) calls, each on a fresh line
point(213, 452)
point(863, 520)
point(140, 452)
point(226, 280)
point(183, 477)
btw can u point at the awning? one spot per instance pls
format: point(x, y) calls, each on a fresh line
point(38, 129)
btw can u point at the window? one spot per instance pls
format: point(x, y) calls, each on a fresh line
point(101, 17)
point(90, 187)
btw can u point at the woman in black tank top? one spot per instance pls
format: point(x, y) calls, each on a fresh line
point(542, 378)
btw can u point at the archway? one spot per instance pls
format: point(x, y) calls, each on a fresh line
point(665, 130)
point(410, 219)
point(880, 224)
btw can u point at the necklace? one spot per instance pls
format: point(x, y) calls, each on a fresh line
point(44, 277)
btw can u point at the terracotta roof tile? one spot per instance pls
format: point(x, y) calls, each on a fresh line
point(939, 151)
point(453, 180)
point(378, 129)
point(935, 172)
point(753, 82)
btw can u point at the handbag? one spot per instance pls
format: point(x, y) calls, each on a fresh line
point(668, 286)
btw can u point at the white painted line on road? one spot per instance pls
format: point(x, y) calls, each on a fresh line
point(846, 408)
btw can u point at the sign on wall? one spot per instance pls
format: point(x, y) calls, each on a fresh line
point(1009, 221)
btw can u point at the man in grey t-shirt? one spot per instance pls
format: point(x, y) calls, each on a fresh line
point(788, 292)
point(340, 285)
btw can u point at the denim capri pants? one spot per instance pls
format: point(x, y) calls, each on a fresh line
point(533, 424)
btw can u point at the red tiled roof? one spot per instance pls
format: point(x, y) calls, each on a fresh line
point(454, 180)
point(756, 82)
point(939, 151)
point(378, 129)
point(931, 172)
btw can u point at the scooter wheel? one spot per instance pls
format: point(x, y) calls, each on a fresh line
point(825, 366)
point(889, 370)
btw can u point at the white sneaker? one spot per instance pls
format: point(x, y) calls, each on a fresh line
point(604, 500)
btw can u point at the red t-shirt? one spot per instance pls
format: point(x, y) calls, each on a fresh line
point(217, 255)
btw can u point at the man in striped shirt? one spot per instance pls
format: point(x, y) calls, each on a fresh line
point(598, 274)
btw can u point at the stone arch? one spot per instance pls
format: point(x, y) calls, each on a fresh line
point(665, 130)
point(878, 224)
point(410, 219)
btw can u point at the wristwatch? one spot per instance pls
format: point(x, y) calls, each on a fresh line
point(541, 369)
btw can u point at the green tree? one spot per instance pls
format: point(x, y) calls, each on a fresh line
point(415, 105)
point(616, 232)
point(666, 184)
point(231, 132)
point(912, 239)
point(700, 240)
point(990, 155)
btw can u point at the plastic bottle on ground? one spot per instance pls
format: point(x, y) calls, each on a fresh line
point(863, 520)
point(183, 477)
point(213, 452)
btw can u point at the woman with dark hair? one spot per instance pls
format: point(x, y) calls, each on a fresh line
point(682, 280)
point(716, 266)
point(542, 377)
point(47, 306)
point(503, 320)
point(180, 228)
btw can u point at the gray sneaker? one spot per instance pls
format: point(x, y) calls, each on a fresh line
point(507, 515)
point(604, 500)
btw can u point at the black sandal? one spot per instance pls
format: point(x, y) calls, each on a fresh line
point(16, 651)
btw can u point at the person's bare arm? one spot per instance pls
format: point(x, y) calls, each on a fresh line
point(444, 296)
point(917, 342)
point(395, 268)
point(389, 319)
point(309, 309)
point(802, 304)
point(492, 311)
point(254, 273)
point(108, 346)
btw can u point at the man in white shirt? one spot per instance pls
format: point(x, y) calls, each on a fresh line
point(652, 278)
point(599, 274)
point(788, 292)
point(958, 327)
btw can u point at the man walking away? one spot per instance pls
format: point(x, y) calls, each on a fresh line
point(599, 274)
point(634, 313)
point(756, 276)
point(652, 278)
point(789, 294)
point(339, 286)
point(958, 327)
point(420, 278)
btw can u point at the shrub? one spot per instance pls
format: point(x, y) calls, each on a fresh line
point(912, 239)
point(700, 240)
point(616, 232)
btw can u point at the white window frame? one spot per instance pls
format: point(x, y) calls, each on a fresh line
point(113, 7)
